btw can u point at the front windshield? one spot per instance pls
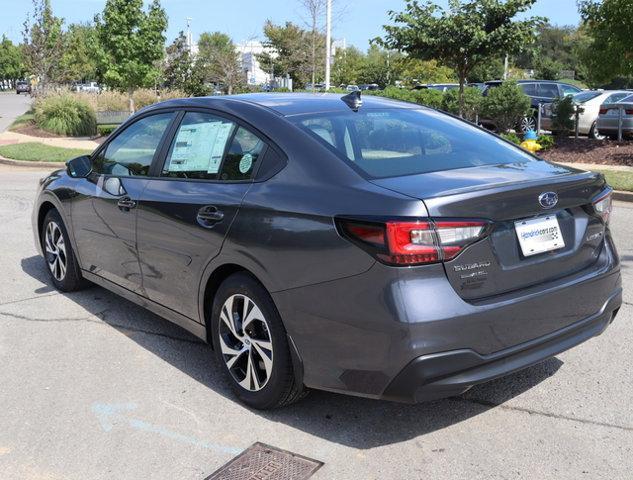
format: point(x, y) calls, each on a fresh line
point(583, 97)
point(395, 142)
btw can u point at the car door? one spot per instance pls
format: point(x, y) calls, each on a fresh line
point(189, 203)
point(104, 212)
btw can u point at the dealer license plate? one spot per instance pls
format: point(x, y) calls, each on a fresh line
point(539, 235)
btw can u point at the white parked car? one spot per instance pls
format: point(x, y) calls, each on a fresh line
point(90, 87)
point(590, 101)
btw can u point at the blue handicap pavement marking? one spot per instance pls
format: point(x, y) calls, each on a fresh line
point(111, 414)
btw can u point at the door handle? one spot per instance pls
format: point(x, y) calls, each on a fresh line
point(126, 203)
point(209, 215)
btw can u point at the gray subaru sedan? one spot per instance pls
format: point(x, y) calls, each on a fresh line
point(362, 246)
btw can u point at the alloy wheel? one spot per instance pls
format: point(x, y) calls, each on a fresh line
point(56, 251)
point(245, 342)
point(527, 124)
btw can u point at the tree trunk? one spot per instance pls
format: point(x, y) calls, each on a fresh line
point(462, 81)
point(130, 100)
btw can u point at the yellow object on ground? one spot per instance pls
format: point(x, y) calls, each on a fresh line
point(531, 146)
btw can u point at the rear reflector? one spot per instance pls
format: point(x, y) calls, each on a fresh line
point(413, 242)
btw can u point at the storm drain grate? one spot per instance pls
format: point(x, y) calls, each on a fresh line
point(263, 462)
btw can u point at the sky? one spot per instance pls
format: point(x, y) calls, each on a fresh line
point(243, 19)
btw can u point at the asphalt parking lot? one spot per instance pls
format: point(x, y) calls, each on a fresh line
point(94, 387)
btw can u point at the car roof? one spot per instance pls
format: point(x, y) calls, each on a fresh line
point(287, 104)
point(531, 80)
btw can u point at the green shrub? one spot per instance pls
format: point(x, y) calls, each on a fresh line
point(506, 105)
point(105, 130)
point(512, 137)
point(546, 141)
point(472, 102)
point(427, 97)
point(65, 114)
point(563, 115)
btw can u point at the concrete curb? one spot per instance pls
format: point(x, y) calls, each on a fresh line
point(622, 196)
point(24, 163)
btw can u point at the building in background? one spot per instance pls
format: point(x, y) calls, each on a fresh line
point(255, 74)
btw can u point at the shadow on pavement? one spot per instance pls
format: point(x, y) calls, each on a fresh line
point(350, 421)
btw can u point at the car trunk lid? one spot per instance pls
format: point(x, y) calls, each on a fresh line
point(504, 194)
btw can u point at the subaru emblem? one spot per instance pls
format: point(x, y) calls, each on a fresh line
point(548, 199)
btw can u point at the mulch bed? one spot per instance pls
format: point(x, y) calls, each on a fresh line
point(585, 150)
point(32, 131)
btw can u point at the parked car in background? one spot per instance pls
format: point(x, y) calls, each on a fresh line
point(90, 87)
point(540, 92)
point(369, 86)
point(609, 117)
point(590, 101)
point(380, 249)
point(442, 87)
point(22, 86)
point(480, 85)
point(352, 88)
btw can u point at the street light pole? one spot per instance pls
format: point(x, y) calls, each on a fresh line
point(328, 42)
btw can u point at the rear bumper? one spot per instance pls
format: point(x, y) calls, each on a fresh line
point(441, 375)
point(405, 334)
point(610, 125)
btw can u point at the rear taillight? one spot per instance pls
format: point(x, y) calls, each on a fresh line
point(628, 111)
point(413, 243)
point(603, 205)
point(603, 111)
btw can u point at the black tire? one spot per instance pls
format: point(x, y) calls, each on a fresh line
point(281, 387)
point(71, 280)
point(594, 133)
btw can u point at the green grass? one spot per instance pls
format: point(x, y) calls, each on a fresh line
point(619, 180)
point(38, 152)
point(24, 119)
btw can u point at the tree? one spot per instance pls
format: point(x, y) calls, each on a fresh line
point(79, 60)
point(380, 66)
point(133, 41)
point(609, 25)
point(291, 47)
point(346, 66)
point(415, 71)
point(463, 36)
point(219, 60)
point(315, 10)
point(490, 69)
point(181, 71)
point(43, 41)
point(556, 49)
point(11, 60)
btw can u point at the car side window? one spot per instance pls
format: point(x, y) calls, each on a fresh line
point(210, 147)
point(242, 156)
point(529, 89)
point(569, 90)
point(548, 90)
point(131, 152)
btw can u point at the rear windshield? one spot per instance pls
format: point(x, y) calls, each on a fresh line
point(583, 97)
point(627, 99)
point(395, 142)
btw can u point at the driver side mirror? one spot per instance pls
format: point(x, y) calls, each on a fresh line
point(79, 167)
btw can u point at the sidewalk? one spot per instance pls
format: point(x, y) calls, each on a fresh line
point(8, 138)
